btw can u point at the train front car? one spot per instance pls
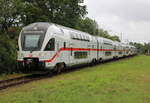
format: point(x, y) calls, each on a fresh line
point(30, 43)
point(48, 46)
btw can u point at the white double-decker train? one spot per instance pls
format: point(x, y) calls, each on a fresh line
point(54, 47)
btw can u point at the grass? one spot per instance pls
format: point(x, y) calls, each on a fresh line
point(123, 81)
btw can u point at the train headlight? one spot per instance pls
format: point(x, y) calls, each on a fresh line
point(41, 54)
point(21, 55)
point(35, 55)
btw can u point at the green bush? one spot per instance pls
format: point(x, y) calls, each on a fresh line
point(7, 54)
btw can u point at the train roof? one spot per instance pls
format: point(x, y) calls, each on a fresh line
point(72, 33)
point(37, 25)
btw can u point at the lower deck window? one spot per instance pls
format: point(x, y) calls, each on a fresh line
point(120, 52)
point(80, 55)
point(108, 53)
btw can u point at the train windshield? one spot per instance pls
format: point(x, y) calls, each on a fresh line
point(31, 41)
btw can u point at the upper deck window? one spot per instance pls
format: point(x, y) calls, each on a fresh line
point(107, 43)
point(80, 37)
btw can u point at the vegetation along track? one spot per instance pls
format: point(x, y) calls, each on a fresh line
point(21, 80)
point(32, 77)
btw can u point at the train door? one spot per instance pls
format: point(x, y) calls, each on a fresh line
point(65, 53)
point(57, 49)
point(59, 45)
point(70, 55)
point(89, 52)
point(102, 51)
point(97, 50)
point(115, 52)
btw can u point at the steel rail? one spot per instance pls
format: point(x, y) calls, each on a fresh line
point(20, 80)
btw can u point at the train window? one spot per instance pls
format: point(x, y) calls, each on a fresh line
point(32, 41)
point(120, 52)
point(108, 53)
point(80, 37)
point(107, 43)
point(80, 55)
point(72, 36)
point(87, 38)
point(93, 46)
point(84, 37)
point(51, 45)
point(115, 48)
point(62, 32)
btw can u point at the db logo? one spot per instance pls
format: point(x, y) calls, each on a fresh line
point(30, 55)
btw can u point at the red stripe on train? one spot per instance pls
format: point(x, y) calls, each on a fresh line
point(74, 49)
point(77, 49)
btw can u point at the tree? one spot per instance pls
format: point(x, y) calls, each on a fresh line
point(91, 26)
point(7, 55)
point(9, 13)
point(17, 13)
point(64, 12)
point(88, 25)
point(115, 38)
point(142, 48)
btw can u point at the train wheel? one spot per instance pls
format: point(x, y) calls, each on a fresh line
point(60, 67)
point(101, 60)
point(94, 61)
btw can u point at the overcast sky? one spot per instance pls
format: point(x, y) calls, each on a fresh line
point(131, 18)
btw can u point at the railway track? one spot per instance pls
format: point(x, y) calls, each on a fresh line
point(29, 78)
point(21, 80)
